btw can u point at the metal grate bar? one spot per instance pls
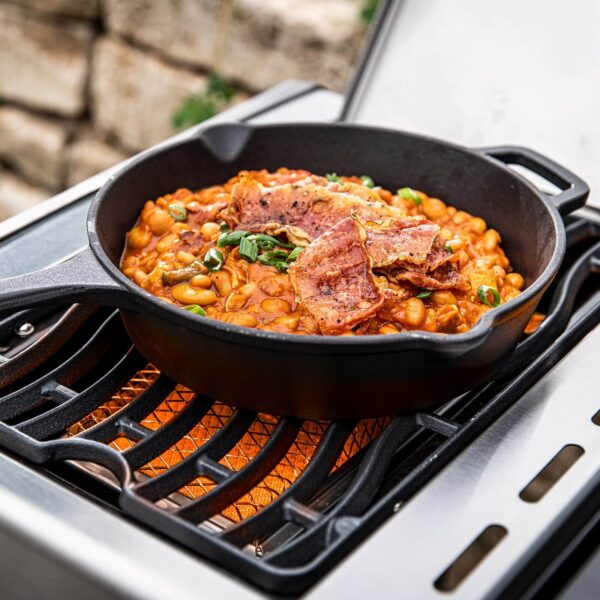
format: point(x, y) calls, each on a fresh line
point(133, 430)
point(241, 482)
point(59, 418)
point(47, 346)
point(561, 309)
point(304, 487)
point(207, 467)
point(176, 477)
point(301, 514)
point(359, 495)
point(166, 436)
point(139, 408)
point(80, 363)
point(438, 424)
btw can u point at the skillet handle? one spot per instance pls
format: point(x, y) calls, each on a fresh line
point(574, 191)
point(80, 278)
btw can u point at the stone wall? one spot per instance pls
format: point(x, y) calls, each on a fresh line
point(85, 83)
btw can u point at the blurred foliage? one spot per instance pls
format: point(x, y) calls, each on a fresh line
point(368, 10)
point(204, 105)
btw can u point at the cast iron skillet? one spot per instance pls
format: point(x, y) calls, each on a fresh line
point(315, 376)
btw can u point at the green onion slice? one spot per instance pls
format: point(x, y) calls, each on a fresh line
point(224, 228)
point(195, 309)
point(231, 238)
point(424, 294)
point(248, 249)
point(484, 292)
point(409, 194)
point(448, 248)
point(295, 253)
point(333, 177)
point(213, 260)
point(268, 242)
point(366, 180)
point(178, 212)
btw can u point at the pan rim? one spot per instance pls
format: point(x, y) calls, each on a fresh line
point(346, 344)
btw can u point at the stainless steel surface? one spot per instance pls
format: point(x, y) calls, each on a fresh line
point(481, 72)
point(56, 544)
point(481, 487)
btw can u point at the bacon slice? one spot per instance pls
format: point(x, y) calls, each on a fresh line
point(333, 279)
point(398, 241)
point(309, 204)
point(442, 278)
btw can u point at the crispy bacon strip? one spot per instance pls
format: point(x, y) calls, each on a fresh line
point(442, 278)
point(400, 241)
point(333, 279)
point(313, 207)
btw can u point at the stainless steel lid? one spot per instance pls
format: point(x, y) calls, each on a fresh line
point(481, 72)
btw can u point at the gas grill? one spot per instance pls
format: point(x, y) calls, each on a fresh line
point(118, 482)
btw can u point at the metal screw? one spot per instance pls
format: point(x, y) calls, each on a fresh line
point(25, 330)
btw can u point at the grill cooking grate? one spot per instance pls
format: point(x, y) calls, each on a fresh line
point(233, 485)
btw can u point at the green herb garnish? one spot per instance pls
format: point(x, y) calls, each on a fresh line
point(248, 249)
point(293, 255)
point(483, 293)
point(366, 180)
point(448, 247)
point(231, 238)
point(267, 242)
point(224, 228)
point(213, 260)
point(423, 295)
point(178, 212)
point(333, 178)
point(278, 259)
point(195, 309)
point(409, 194)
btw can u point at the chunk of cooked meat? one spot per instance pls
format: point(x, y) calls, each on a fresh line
point(442, 278)
point(332, 278)
point(397, 241)
point(313, 207)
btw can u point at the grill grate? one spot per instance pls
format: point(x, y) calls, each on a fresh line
point(233, 485)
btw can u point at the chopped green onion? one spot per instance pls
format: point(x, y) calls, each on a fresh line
point(410, 194)
point(448, 248)
point(231, 238)
point(248, 249)
point(178, 212)
point(424, 294)
point(195, 309)
point(278, 254)
point(213, 260)
point(281, 266)
point(224, 228)
point(482, 294)
point(266, 241)
point(366, 180)
point(295, 253)
point(333, 178)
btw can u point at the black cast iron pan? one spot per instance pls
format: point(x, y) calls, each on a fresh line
point(314, 376)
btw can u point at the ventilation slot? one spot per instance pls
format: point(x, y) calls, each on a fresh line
point(537, 488)
point(471, 556)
